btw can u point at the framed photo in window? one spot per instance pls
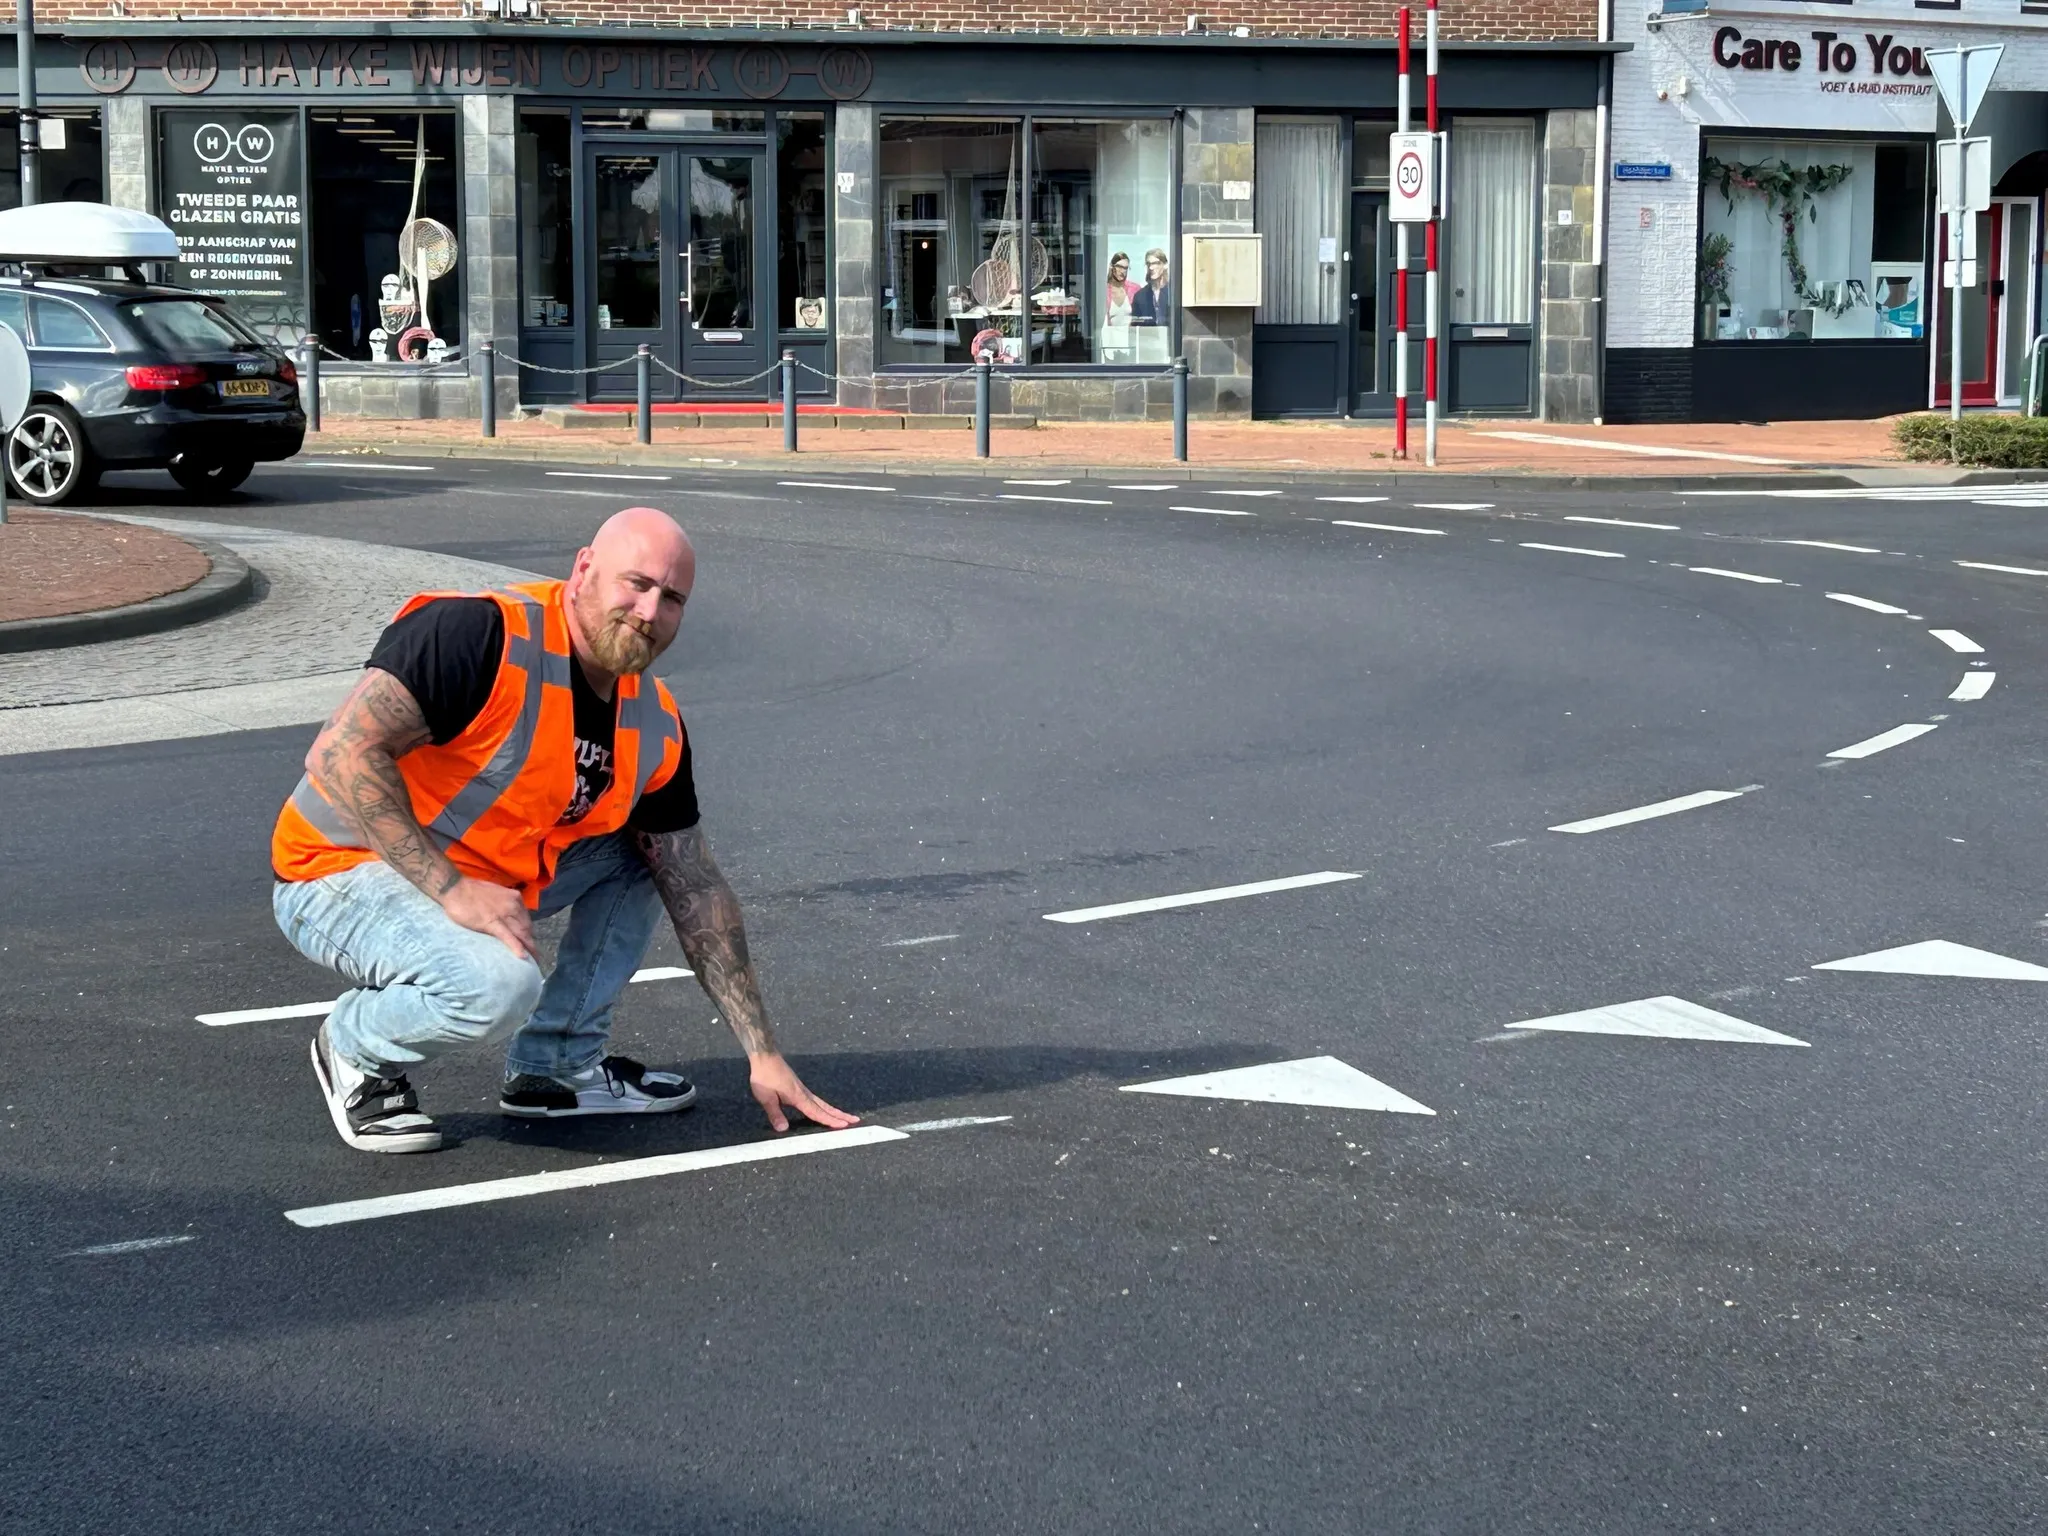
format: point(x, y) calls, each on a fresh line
point(810, 314)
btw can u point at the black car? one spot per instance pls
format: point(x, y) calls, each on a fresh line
point(132, 375)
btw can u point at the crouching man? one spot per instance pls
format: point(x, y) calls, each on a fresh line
point(504, 758)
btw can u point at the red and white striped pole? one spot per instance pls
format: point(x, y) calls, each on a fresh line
point(1431, 307)
point(1400, 268)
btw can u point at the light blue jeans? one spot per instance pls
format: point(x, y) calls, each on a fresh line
point(425, 985)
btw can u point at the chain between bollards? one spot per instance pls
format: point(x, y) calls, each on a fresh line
point(309, 380)
point(643, 410)
point(1180, 409)
point(789, 402)
point(982, 367)
point(487, 364)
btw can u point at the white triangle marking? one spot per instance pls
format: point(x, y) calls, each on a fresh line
point(1938, 957)
point(1322, 1081)
point(1663, 1018)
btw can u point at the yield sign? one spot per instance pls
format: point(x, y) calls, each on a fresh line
point(1963, 75)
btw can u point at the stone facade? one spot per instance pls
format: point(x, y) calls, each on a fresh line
point(1571, 270)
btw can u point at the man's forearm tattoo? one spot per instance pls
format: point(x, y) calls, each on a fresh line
point(714, 939)
point(354, 764)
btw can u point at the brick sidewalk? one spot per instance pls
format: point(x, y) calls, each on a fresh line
point(1469, 447)
point(59, 563)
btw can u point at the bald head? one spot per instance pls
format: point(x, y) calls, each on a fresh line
point(627, 590)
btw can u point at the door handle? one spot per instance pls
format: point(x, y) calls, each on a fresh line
point(684, 280)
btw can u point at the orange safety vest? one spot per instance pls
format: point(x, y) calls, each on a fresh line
point(493, 797)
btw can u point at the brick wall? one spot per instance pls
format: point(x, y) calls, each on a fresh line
point(1488, 20)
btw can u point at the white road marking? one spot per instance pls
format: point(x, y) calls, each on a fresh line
point(1651, 812)
point(1663, 1018)
point(595, 474)
point(1038, 482)
point(1321, 1081)
point(1216, 511)
point(1985, 495)
point(1246, 493)
point(2010, 570)
point(1144, 487)
point(1646, 449)
point(133, 1245)
point(321, 1010)
point(1356, 501)
point(418, 469)
point(1715, 570)
point(957, 1123)
point(588, 1176)
point(1198, 898)
point(1065, 501)
point(570, 490)
point(1453, 506)
point(929, 938)
point(1974, 685)
point(1939, 957)
point(1622, 522)
point(1863, 602)
point(922, 496)
point(1894, 737)
point(1339, 522)
point(1847, 549)
point(1957, 641)
point(833, 485)
point(1572, 549)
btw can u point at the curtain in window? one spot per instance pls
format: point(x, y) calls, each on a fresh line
point(1490, 226)
point(1298, 205)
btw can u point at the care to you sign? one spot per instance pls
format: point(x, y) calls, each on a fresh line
point(232, 186)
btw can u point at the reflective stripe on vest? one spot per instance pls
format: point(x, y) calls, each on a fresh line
point(542, 667)
point(655, 726)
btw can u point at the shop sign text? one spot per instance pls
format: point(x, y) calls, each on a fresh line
point(1888, 66)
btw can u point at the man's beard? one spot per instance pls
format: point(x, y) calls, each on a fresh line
point(620, 645)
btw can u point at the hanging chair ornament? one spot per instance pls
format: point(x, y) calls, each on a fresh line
point(426, 252)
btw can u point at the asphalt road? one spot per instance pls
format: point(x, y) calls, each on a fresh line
point(1612, 1282)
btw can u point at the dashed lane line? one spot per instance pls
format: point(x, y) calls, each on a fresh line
point(1957, 641)
point(1651, 812)
point(1974, 686)
point(1065, 501)
point(928, 938)
point(833, 485)
point(321, 1010)
point(588, 1177)
point(1199, 898)
point(413, 469)
point(1847, 549)
point(1435, 533)
point(1715, 570)
point(1863, 602)
point(2009, 570)
point(1883, 741)
point(1622, 522)
point(132, 1245)
point(1454, 506)
point(1573, 549)
point(1038, 482)
point(1355, 501)
point(1213, 511)
point(597, 474)
point(1144, 487)
point(1247, 493)
point(958, 1122)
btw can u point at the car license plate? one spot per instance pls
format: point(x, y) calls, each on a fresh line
point(234, 387)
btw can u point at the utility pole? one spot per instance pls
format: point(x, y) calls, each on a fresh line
point(25, 76)
point(1432, 304)
point(1400, 270)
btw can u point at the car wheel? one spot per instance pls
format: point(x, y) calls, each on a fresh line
point(48, 461)
point(210, 477)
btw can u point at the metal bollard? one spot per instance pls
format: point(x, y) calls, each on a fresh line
point(309, 380)
point(789, 402)
point(1180, 409)
point(487, 358)
point(981, 374)
point(643, 412)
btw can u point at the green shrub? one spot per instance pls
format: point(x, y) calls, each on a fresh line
point(1984, 442)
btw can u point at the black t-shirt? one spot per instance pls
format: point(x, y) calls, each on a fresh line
point(447, 654)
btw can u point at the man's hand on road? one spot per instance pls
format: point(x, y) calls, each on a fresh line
point(778, 1089)
point(496, 910)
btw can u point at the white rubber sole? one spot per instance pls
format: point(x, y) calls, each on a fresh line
point(406, 1141)
point(611, 1106)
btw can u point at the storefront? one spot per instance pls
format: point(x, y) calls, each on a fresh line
point(882, 206)
point(1774, 232)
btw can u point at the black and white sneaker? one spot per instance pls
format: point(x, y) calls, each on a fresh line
point(373, 1114)
point(615, 1086)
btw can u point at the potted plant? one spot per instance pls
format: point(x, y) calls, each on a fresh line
point(1715, 274)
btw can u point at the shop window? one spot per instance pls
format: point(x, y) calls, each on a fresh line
point(1490, 222)
point(71, 158)
point(1811, 238)
point(547, 297)
point(801, 286)
point(952, 213)
point(1298, 205)
point(626, 194)
point(671, 120)
point(1101, 264)
point(382, 184)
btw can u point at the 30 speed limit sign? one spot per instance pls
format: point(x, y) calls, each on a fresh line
point(1412, 184)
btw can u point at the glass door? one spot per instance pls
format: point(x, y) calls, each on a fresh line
point(1373, 276)
point(633, 268)
point(727, 333)
point(1977, 314)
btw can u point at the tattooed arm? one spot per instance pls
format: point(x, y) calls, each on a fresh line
point(706, 915)
point(354, 765)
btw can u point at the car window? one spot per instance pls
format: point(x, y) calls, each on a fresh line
point(184, 327)
point(14, 314)
point(65, 325)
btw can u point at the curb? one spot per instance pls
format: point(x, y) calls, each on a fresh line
point(228, 583)
point(1818, 477)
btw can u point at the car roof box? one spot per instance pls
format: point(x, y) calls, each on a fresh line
point(84, 232)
